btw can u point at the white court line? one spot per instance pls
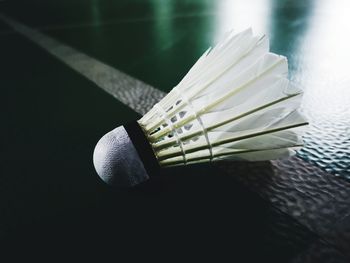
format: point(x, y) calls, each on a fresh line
point(132, 92)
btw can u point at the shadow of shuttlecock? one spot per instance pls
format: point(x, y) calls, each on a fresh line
point(217, 199)
point(199, 177)
point(209, 187)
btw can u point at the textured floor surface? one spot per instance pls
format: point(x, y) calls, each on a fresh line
point(293, 210)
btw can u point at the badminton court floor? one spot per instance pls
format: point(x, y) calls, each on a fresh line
point(72, 71)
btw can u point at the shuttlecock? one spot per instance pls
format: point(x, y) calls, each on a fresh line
point(235, 103)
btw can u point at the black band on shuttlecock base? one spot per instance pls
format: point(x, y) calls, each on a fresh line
point(143, 148)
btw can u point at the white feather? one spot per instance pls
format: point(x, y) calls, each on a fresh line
point(235, 103)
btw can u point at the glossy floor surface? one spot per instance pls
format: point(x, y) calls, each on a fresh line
point(54, 116)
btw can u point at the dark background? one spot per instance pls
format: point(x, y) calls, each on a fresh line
point(51, 200)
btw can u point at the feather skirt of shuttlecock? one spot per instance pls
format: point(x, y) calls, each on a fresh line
point(235, 103)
